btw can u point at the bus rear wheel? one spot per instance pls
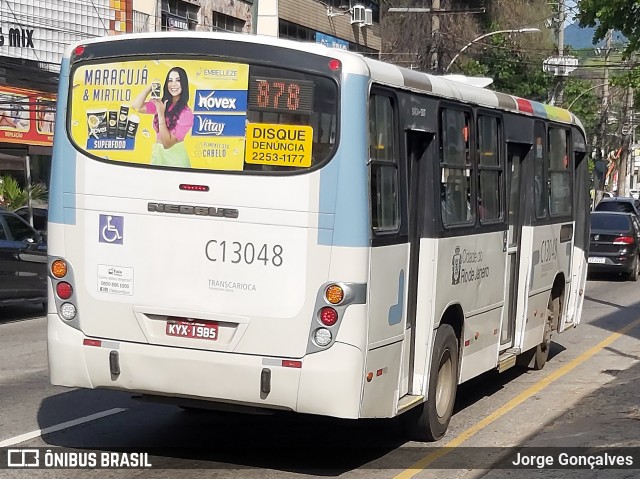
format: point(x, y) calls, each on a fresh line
point(537, 357)
point(429, 421)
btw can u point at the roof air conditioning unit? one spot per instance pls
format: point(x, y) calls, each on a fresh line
point(368, 17)
point(357, 14)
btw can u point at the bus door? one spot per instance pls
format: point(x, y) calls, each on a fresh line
point(516, 153)
point(418, 181)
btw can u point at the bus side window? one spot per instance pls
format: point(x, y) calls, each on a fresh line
point(539, 187)
point(490, 170)
point(385, 215)
point(455, 163)
point(560, 198)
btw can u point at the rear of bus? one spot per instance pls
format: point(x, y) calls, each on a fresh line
point(228, 264)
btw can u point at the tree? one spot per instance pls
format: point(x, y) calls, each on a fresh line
point(513, 61)
point(512, 70)
point(581, 96)
point(12, 196)
point(605, 15)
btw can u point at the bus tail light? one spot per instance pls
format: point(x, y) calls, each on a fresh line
point(79, 50)
point(334, 294)
point(67, 311)
point(62, 280)
point(64, 290)
point(328, 316)
point(334, 64)
point(59, 268)
point(186, 187)
point(322, 337)
point(623, 240)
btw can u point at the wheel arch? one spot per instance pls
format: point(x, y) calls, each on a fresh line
point(558, 291)
point(453, 315)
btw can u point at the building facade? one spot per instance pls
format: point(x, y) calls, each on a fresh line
point(349, 24)
point(208, 15)
point(33, 37)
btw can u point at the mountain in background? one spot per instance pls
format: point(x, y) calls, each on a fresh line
point(580, 38)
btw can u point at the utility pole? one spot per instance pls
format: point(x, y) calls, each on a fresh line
point(560, 79)
point(435, 36)
point(560, 65)
point(626, 166)
point(601, 154)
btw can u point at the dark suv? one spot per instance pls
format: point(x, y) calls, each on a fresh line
point(23, 262)
point(620, 204)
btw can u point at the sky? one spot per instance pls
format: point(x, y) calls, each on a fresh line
point(571, 6)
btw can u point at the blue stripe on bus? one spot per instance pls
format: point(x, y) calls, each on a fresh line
point(344, 181)
point(63, 170)
point(538, 109)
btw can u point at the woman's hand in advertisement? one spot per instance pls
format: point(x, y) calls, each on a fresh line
point(160, 108)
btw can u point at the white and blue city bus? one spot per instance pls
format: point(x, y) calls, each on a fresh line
point(255, 222)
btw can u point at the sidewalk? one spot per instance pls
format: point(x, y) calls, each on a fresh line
point(609, 417)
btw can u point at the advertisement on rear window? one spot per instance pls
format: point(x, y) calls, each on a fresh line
point(175, 113)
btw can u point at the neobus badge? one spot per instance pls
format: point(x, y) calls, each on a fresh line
point(193, 210)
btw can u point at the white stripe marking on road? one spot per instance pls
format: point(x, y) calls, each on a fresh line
point(12, 441)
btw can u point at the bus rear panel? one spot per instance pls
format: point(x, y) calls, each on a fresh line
point(199, 267)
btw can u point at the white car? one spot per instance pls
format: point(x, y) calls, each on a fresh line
point(634, 193)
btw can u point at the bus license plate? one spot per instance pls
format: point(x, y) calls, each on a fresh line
point(596, 260)
point(190, 329)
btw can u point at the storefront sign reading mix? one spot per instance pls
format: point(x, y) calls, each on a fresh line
point(18, 37)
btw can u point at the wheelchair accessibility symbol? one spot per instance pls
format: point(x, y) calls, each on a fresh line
point(111, 229)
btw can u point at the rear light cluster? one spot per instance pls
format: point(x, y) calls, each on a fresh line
point(327, 316)
point(626, 240)
point(63, 289)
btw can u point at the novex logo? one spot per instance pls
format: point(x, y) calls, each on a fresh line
point(221, 100)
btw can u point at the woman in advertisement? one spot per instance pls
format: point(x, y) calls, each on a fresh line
point(172, 119)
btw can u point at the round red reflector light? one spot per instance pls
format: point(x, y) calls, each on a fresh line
point(328, 316)
point(79, 50)
point(334, 64)
point(64, 290)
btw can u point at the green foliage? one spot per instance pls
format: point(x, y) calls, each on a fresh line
point(12, 196)
point(605, 15)
point(511, 71)
point(581, 96)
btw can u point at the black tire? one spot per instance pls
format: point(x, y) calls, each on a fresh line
point(635, 270)
point(429, 421)
point(537, 357)
point(541, 353)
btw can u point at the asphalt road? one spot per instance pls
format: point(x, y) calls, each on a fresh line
point(586, 396)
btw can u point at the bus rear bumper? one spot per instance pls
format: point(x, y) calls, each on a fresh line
point(323, 385)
